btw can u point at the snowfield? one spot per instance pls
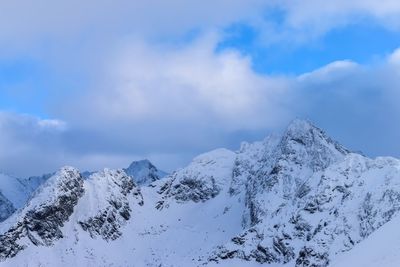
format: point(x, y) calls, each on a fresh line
point(381, 248)
point(295, 199)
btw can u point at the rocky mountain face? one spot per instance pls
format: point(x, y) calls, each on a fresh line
point(311, 199)
point(295, 199)
point(17, 191)
point(202, 180)
point(40, 221)
point(100, 205)
point(112, 210)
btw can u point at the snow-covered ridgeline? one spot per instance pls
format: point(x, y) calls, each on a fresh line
point(295, 199)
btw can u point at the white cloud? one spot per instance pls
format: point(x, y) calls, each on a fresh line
point(170, 100)
point(51, 25)
point(33, 146)
point(156, 100)
point(52, 124)
point(73, 23)
point(394, 58)
point(330, 72)
point(193, 83)
point(30, 20)
point(311, 12)
point(26, 140)
point(299, 22)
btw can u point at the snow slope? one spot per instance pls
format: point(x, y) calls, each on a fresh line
point(381, 248)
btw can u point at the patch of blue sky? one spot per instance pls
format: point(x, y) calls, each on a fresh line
point(360, 42)
point(23, 87)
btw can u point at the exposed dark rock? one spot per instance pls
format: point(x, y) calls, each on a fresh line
point(309, 258)
point(41, 223)
point(108, 221)
point(195, 190)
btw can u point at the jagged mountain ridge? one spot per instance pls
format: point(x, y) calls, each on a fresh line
point(296, 199)
point(306, 204)
point(15, 192)
point(98, 204)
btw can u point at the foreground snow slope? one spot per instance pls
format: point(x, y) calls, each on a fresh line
point(381, 248)
point(296, 199)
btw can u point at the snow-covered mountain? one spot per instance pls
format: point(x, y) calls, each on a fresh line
point(14, 192)
point(310, 199)
point(295, 199)
point(144, 172)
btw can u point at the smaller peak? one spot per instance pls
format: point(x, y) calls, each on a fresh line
point(143, 162)
point(144, 172)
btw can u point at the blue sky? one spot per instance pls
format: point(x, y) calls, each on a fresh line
point(362, 42)
point(133, 80)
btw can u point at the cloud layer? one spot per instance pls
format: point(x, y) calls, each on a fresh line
point(139, 81)
point(170, 104)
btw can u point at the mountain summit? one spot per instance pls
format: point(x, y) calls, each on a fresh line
point(144, 172)
point(294, 199)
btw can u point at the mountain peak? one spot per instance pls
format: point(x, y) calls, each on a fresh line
point(304, 129)
point(144, 172)
point(307, 145)
point(305, 133)
point(143, 162)
point(294, 199)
